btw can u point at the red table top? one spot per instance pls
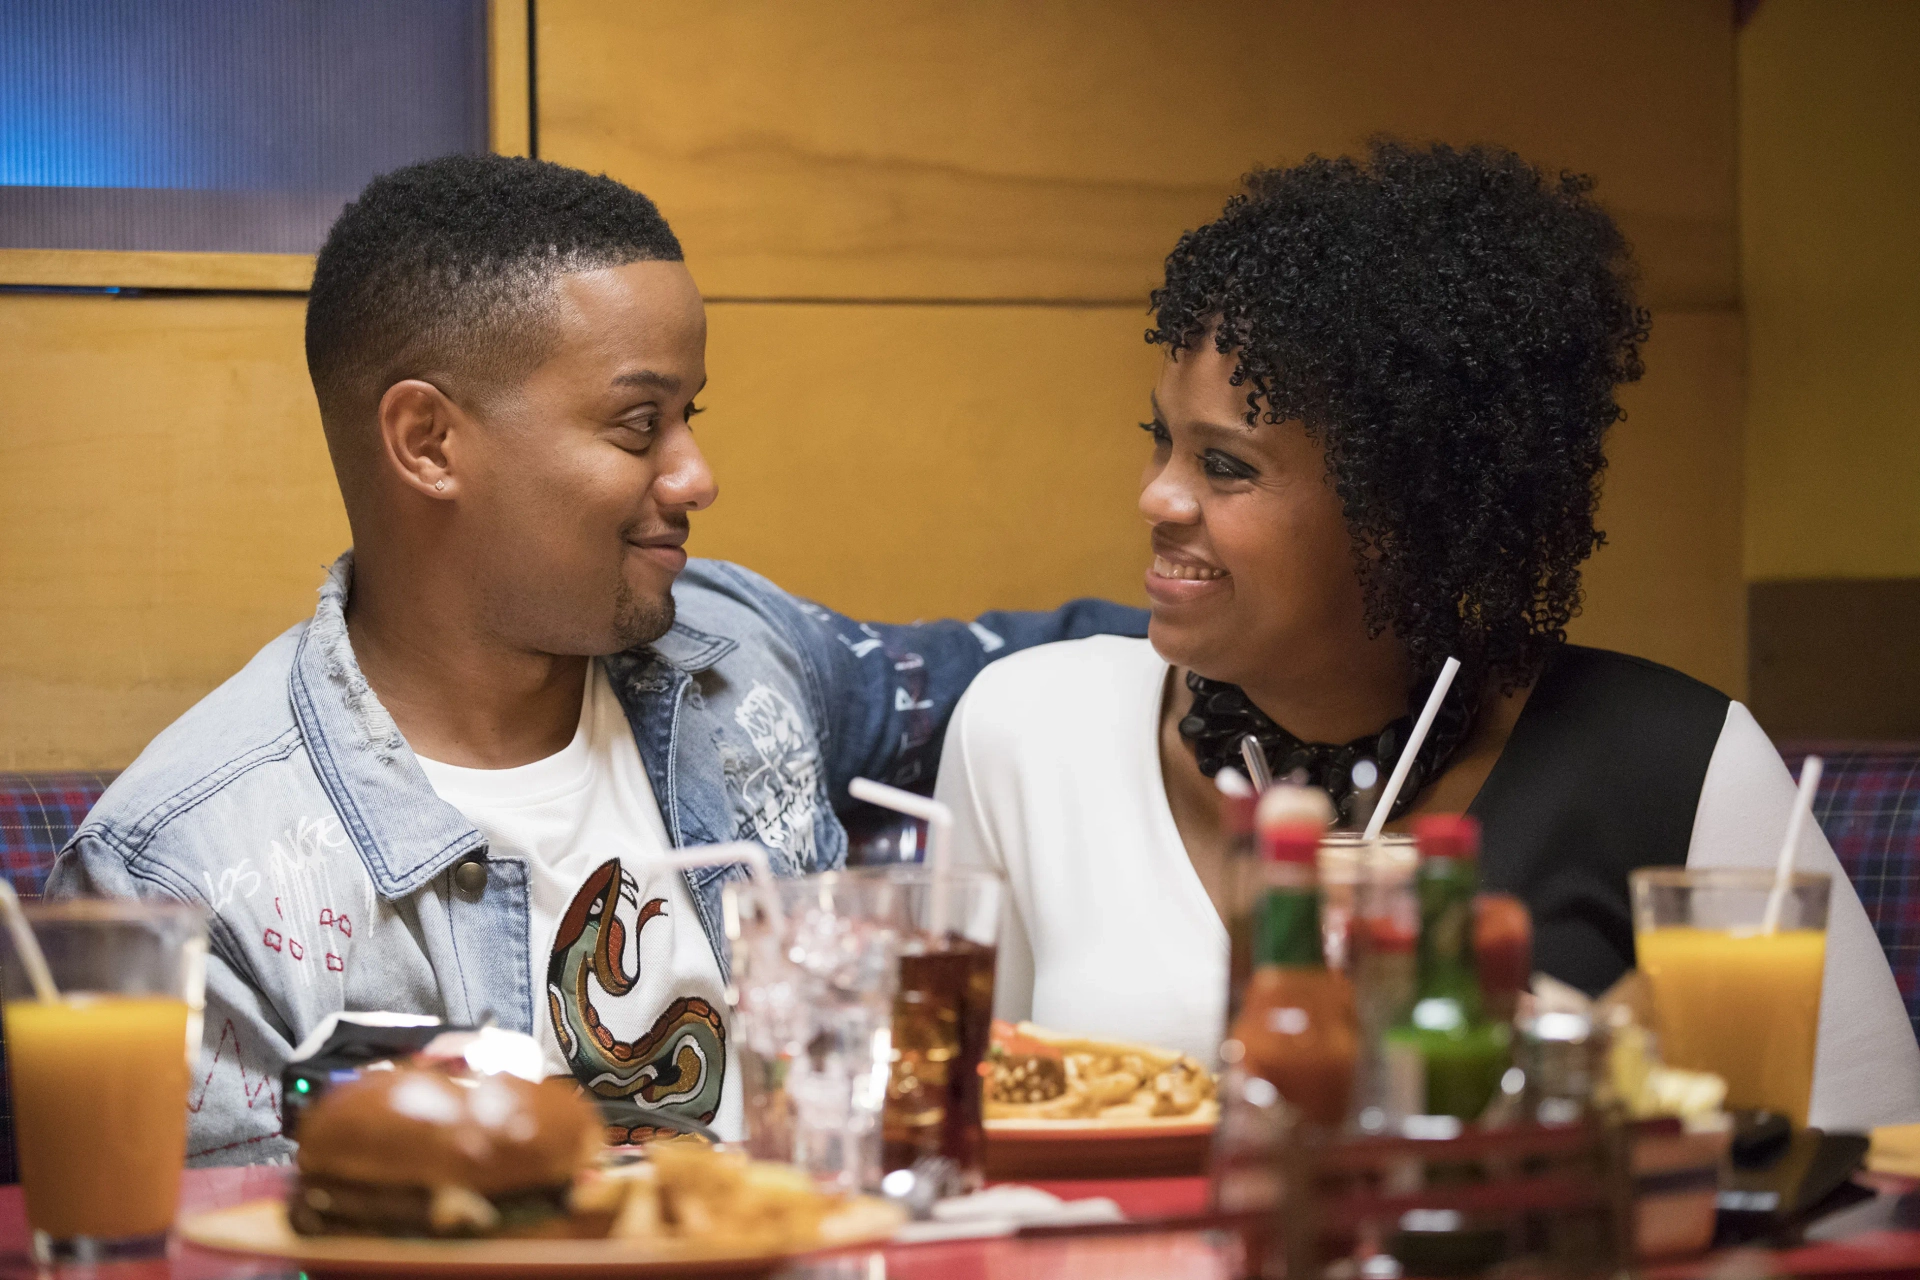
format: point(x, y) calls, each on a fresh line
point(1863, 1241)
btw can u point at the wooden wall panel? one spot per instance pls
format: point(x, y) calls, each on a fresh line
point(1830, 179)
point(166, 507)
point(126, 269)
point(867, 148)
point(1668, 585)
point(992, 460)
point(165, 501)
point(1834, 658)
point(509, 81)
point(169, 508)
point(923, 461)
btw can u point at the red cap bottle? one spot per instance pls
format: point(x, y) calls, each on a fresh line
point(1292, 822)
point(1291, 842)
point(1448, 835)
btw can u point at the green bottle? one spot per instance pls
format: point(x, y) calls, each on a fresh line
point(1446, 1057)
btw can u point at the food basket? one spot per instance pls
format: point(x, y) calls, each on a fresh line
point(1676, 1184)
point(1445, 1200)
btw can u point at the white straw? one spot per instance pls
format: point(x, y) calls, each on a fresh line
point(1783, 869)
point(27, 945)
point(1407, 753)
point(939, 820)
point(1255, 758)
point(732, 854)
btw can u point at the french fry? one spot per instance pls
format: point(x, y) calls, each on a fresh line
point(1111, 1081)
point(691, 1192)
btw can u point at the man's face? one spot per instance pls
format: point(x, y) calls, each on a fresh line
point(576, 492)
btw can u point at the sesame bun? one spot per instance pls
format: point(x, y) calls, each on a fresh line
point(492, 1134)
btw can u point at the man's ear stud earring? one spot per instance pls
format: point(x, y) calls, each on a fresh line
point(439, 484)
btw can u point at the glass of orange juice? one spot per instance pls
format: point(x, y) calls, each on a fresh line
point(1731, 997)
point(99, 1076)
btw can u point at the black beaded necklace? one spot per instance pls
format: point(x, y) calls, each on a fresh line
point(1222, 715)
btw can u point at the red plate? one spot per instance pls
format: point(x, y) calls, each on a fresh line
point(1173, 1147)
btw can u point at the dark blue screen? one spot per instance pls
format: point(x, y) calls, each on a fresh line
point(274, 111)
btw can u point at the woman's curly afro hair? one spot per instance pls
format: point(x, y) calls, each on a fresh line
point(1450, 325)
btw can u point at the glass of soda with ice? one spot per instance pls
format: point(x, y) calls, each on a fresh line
point(806, 989)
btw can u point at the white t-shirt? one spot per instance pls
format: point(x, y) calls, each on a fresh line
point(629, 998)
point(1052, 769)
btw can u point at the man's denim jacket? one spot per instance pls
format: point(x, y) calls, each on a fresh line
point(288, 804)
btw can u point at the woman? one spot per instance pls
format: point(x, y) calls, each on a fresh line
point(1377, 440)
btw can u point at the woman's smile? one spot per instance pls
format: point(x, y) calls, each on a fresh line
point(1176, 579)
point(1166, 568)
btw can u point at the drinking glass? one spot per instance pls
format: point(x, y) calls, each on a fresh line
point(862, 1027)
point(815, 972)
point(1381, 932)
point(942, 1021)
point(1732, 998)
point(99, 1076)
point(1355, 876)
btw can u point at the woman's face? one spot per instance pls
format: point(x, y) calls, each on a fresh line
point(1253, 571)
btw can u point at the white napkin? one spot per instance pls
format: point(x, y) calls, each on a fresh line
point(1003, 1210)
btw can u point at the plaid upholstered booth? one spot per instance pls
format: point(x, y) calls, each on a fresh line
point(38, 811)
point(1869, 806)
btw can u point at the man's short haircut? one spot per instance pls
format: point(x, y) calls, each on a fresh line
point(445, 271)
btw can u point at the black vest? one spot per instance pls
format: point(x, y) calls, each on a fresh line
point(1602, 775)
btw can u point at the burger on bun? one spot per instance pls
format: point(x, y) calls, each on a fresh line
point(414, 1152)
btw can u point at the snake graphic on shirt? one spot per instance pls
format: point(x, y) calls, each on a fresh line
point(678, 1065)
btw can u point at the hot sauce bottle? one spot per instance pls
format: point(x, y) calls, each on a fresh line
point(1296, 1027)
point(1502, 951)
point(1446, 1056)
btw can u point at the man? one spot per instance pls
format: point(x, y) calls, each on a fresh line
point(450, 791)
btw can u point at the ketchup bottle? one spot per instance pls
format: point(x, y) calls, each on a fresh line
point(1296, 1024)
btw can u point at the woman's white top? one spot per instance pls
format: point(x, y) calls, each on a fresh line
point(1052, 769)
